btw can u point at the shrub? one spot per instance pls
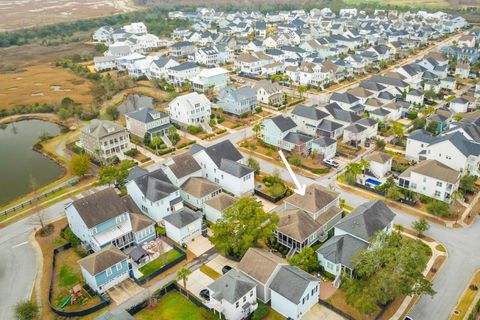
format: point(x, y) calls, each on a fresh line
point(258, 109)
point(166, 151)
point(295, 160)
point(261, 312)
point(68, 235)
point(277, 190)
point(244, 115)
point(26, 310)
point(132, 152)
point(438, 208)
point(321, 171)
point(193, 129)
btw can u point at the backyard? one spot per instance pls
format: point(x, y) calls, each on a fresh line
point(174, 306)
point(159, 262)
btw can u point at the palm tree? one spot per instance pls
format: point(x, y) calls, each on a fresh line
point(156, 142)
point(456, 196)
point(364, 164)
point(397, 130)
point(183, 274)
point(256, 128)
point(301, 90)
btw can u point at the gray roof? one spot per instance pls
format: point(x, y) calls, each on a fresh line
point(366, 122)
point(324, 141)
point(219, 151)
point(339, 114)
point(102, 128)
point(371, 85)
point(389, 81)
point(367, 219)
point(297, 138)
point(355, 128)
point(291, 282)
point(181, 44)
point(238, 94)
point(183, 165)
point(135, 173)
point(284, 123)
point(184, 66)
point(155, 185)
point(99, 207)
point(161, 61)
point(183, 217)
point(380, 112)
point(118, 315)
point(231, 286)
point(328, 125)
point(146, 115)
point(102, 259)
point(309, 112)
point(421, 135)
point(344, 97)
point(234, 168)
point(465, 146)
point(341, 249)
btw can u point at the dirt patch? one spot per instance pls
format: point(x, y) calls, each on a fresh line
point(43, 84)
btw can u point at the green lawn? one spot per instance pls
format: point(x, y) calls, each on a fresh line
point(210, 272)
point(67, 277)
point(156, 264)
point(174, 306)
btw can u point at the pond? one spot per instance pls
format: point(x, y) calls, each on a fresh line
point(134, 102)
point(19, 162)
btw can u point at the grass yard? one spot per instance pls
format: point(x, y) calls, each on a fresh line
point(174, 306)
point(156, 264)
point(273, 315)
point(338, 300)
point(43, 83)
point(210, 272)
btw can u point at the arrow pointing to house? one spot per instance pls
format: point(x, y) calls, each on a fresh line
point(300, 187)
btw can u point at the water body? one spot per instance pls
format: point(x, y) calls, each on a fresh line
point(19, 162)
point(134, 102)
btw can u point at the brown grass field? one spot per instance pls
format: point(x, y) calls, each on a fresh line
point(42, 83)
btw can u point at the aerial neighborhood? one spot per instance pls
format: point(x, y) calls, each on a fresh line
point(275, 165)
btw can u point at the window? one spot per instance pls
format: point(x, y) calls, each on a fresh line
point(119, 266)
point(237, 304)
point(108, 272)
point(244, 299)
point(303, 301)
point(251, 293)
point(439, 184)
point(437, 193)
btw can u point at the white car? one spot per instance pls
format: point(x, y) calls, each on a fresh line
point(331, 163)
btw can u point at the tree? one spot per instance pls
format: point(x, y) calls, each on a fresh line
point(306, 260)
point(457, 117)
point(114, 175)
point(392, 266)
point(156, 141)
point(182, 275)
point(383, 64)
point(301, 90)
point(430, 94)
point(353, 169)
point(432, 127)
point(467, 183)
point(80, 164)
point(252, 163)
point(257, 128)
point(243, 225)
point(26, 310)
point(397, 130)
point(112, 112)
point(364, 164)
point(380, 145)
point(438, 208)
point(421, 225)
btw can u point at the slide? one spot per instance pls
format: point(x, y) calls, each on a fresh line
point(66, 301)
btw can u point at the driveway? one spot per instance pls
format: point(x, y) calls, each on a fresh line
point(199, 245)
point(123, 291)
point(219, 262)
point(196, 282)
point(320, 312)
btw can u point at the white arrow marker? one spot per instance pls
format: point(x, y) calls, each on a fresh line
point(300, 188)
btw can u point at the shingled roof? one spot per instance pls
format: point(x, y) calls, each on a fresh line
point(316, 198)
point(102, 260)
point(231, 286)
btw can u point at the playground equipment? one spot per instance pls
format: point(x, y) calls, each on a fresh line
point(76, 294)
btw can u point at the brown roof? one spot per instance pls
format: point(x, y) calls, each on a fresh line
point(102, 260)
point(393, 106)
point(316, 198)
point(466, 37)
point(437, 56)
point(259, 264)
point(183, 165)
point(199, 187)
point(395, 75)
point(378, 156)
point(328, 66)
point(374, 102)
point(246, 57)
point(138, 220)
point(360, 92)
point(221, 201)
point(100, 207)
point(434, 169)
point(297, 224)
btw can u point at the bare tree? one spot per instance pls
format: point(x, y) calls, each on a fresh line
point(38, 213)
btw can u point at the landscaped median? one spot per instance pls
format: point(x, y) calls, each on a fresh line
point(468, 305)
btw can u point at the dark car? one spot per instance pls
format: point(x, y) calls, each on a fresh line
point(225, 269)
point(205, 294)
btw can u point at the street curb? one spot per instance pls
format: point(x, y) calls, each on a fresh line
point(38, 268)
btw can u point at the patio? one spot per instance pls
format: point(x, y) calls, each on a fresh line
point(199, 245)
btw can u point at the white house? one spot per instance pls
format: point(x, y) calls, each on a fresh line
point(459, 105)
point(307, 118)
point(431, 178)
point(268, 92)
point(233, 295)
point(415, 97)
point(180, 74)
point(248, 64)
point(184, 225)
point(197, 190)
point(355, 134)
point(216, 206)
point(208, 56)
point(223, 164)
point(159, 67)
point(380, 163)
point(190, 109)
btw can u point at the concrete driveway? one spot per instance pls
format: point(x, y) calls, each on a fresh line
point(123, 291)
point(199, 245)
point(219, 262)
point(196, 282)
point(320, 312)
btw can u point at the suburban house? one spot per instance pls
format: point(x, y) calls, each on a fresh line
point(248, 64)
point(102, 218)
point(104, 140)
point(268, 92)
point(223, 164)
point(355, 134)
point(207, 56)
point(307, 118)
point(305, 220)
point(147, 121)
point(281, 132)
point(462, 70)
point(459, 105)
point(325, 146)
point(179, 75)
point(237, 101)
point(104, 269)
point(215, 207)
point(215, 78)
point(180, 168)
point(183, 225)
point(380, 163)
point(159, 67)
point(233, 295)
point(352, 234)
point(155, 194)
point(330, 129)
point(431, 178)
point(182, 49)
point(192, 109)
point(294, 292)
point(196, 190)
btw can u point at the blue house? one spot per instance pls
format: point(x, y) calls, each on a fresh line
point(103, 218)
point(237, 101)
point(105, 268)
point(282, 132)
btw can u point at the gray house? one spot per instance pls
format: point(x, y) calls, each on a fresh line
point(104, 139)
point(237, 101)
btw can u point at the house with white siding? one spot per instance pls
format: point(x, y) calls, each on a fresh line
point(183, 225)
point(190, 109)
point(215, 207)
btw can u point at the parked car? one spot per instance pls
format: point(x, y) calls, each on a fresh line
point(226, 268)
point(331, 163)
point(205, 294)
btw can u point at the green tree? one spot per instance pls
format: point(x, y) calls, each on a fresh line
point(182, 275)
point(80, 164)
point(252, 163)
point(353, 169)
point(432, 127)
point(155, 142)
point(392, 266)
point(257, 128)
point(383, 64)
point(306, 260)
point(243, 225)
point(467, 183)
point(112, 112)
point(364, 164)
point(380, 145)
point(457, 117)
point(115, 175)
point(430, 95)
point(397, 130)
point(438, 208)
point(421, 225)
point(301, 90)
point(26, 310)
point(394, 193)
